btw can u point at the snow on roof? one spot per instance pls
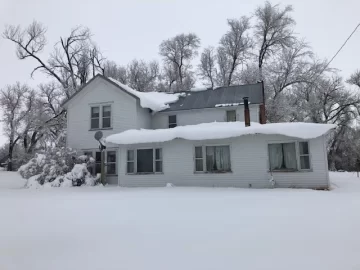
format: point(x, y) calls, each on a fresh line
point(219, 130)
point(155, 101)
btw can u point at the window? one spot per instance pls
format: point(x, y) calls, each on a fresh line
point(144, 161)
point(106, 117)
point(172, 121)
point(97, 162)
point(95, 117)
point(111, 162)
point(199, 161)
point(100, 117)
point(304, 156)
point(285, 156)
point(217, 159)
point(130, 161)
point(231, 116)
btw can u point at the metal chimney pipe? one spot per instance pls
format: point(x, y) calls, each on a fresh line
point(246, 111)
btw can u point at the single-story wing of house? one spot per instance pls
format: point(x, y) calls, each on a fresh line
point(224, 154)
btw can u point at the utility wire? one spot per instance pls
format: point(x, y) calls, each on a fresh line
point(339, 50)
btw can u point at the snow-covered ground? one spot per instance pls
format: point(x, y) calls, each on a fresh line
point(179, 228)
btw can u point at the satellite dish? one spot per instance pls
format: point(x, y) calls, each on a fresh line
point(98, 135)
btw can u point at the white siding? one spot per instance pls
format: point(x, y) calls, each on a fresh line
point(193, 117)
point(249, 162)
point(123, 110)
point(143, 118)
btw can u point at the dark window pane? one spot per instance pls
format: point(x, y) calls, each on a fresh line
point(304, 148)
point(95, 123)
point(305, 162)
point(111, 156)
point(198, 152)
point(97, 168)
point(95, 112)
point(158, 154)
point(106, 111)
point(111, 168)
point(130, 167)
point(145, 161)
point(130, 155)
point(158, 166)
point(98, 157)
point(172, 121)
point(231, 116)
point(172, 125)
point(106, 122)
point(199, 167)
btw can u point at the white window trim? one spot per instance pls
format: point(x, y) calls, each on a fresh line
point(226, 115)
point(93, 151)
point(100, 106)
point(297, 151)
point(203, 148)
point(154, 160)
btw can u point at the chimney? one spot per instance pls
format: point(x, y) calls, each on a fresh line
point(246, 112)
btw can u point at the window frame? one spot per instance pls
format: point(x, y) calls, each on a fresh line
point(94, 151)
point(113, 162)
point(203, 149)
point(304, 155)
point(134, 161)
point(101, 113)
point(227, 116)
point(297, 153)
point(172, 124)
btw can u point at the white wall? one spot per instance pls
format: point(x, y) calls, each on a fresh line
point(123, 106)
point(192, 117)
point(249, 162)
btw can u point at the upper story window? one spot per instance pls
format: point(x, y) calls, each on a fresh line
point(287, 157)
point(231, 116)
point(100, 117)
point(172, 121)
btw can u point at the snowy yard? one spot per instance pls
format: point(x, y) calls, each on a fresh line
point(179, 228)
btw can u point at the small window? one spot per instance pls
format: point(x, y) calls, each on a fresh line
point(282, 157)
point(106, 116)
point(158, 160)
point(199, 160)
point(304, 156)
point(111, 162)
point(172, 121)
point(231, 116)
point(97, 162)
point(130, 161)
point(95, 117)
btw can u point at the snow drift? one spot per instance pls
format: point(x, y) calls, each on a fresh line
point(219, 130)
point(155, 101)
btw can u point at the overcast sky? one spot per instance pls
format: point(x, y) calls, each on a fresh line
point(125, 30)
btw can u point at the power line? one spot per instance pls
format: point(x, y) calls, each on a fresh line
point(339, 49)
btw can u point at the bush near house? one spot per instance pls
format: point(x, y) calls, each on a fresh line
point(59, 167)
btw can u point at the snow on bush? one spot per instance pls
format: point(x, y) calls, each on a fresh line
point(59, 167)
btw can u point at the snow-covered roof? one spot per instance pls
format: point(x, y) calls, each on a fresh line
point(219, 130)
point(155, 101)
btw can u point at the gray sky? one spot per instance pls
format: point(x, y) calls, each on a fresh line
point(125, 30)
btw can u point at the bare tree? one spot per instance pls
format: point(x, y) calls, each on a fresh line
point(17, 102)
point(273, 31)
point(207, 67)
point(178, 52)
point(233, 49)
point(112, 70)
point(354, 78)
point(142, 76)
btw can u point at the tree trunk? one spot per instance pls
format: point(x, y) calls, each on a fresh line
point(10, 157)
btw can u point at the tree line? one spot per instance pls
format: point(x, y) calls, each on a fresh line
point(261, 46)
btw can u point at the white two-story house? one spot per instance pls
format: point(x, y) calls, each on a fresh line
point(205, 138)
